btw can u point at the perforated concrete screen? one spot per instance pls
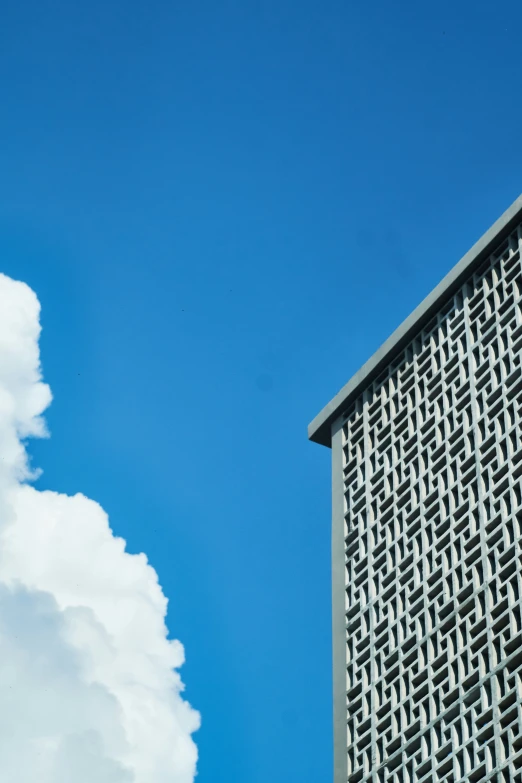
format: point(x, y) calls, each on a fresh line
point(427, 543)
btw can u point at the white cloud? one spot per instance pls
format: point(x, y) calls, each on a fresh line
point(89, 687)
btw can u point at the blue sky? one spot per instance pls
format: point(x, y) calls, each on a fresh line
point(224, 209)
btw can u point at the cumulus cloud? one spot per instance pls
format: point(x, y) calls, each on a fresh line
point(89, 682)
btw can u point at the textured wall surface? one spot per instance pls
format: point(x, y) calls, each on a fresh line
point(432, 466)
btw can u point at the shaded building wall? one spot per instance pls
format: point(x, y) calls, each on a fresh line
point(426, 548)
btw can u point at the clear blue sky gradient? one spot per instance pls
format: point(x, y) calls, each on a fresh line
point(224, 209)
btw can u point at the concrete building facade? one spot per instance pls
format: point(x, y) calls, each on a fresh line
point(426, 444)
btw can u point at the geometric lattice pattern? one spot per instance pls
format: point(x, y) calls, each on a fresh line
point(433, 532)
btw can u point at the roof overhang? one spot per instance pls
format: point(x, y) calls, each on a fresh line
point(320, 429)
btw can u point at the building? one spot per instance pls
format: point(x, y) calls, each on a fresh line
point(426, 444)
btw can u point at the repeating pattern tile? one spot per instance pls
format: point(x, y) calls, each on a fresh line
point(432, 462)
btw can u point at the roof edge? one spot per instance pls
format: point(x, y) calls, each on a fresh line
point(319, 430)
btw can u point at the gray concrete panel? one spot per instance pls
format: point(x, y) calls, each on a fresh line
point(427, 545)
